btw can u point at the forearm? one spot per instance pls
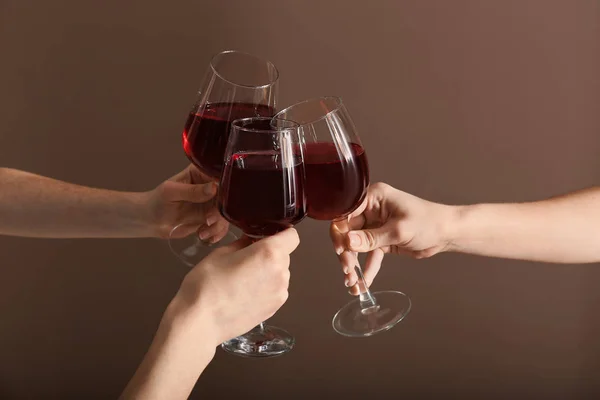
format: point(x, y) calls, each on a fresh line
point(563, 229)
point(37, 206)
point(179, 353)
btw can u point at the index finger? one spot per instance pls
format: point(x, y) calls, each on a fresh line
point(339, 229)
point(360, 208)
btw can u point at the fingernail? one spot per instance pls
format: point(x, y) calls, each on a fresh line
point(339, 250)
point(203, 235)
point(346, 270)
point(211, 219)
point(354, 239)
point(346, 282)
point(209, 188)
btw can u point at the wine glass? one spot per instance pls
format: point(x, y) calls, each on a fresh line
point(235, 85)
point(262, 193)
point(337, 177)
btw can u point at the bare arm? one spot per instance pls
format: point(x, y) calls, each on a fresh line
point(210, 307)
point(564, 229)
point(180, 351)
point(37, 206)
point(33, 205)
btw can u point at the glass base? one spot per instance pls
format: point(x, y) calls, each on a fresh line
point(355, 321)
point(269, 341)
point(191, 249)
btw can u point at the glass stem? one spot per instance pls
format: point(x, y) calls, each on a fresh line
point(260, 327)
point(366, 298)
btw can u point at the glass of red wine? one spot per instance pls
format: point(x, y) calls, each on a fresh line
point(337, 178)
point(262, 193)
point(235, 85)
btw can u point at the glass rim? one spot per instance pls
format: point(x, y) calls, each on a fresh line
point(337, 99)
point(240, 124)
point(267, 62)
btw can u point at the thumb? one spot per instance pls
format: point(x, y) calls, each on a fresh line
point(366, 240)
point(199, 193)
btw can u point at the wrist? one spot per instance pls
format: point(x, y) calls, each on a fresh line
point(463, 223)
point(146, 217)
point(130, 213)
point(193, 316)
point(452, 227)
point(179, 353)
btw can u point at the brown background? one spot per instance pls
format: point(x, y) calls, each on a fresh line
point(456, 101)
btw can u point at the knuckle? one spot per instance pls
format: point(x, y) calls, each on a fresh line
point(269, 253)
point(428, 253)
point(295, 237)
point(271, 313)
point(282, 298)
point(417, 255)
point(381, 187)
point(163, 190)
point(194, 190)
point(371, 240)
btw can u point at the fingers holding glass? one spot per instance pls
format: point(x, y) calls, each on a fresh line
point(337, 177)
point(262, 193)
point(235, 85)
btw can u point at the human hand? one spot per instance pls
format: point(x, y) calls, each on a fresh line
point(238, 286)
point(186, 198)
point(388, 221)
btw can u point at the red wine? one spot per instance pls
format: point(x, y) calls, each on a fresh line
point(261, 196)
point(206, 132)
point(336, 181)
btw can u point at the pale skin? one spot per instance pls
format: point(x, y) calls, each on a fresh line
point(36, 206)
point(561, 229)
point(211, 305)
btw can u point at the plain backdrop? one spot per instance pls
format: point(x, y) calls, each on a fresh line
point(456, 101)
